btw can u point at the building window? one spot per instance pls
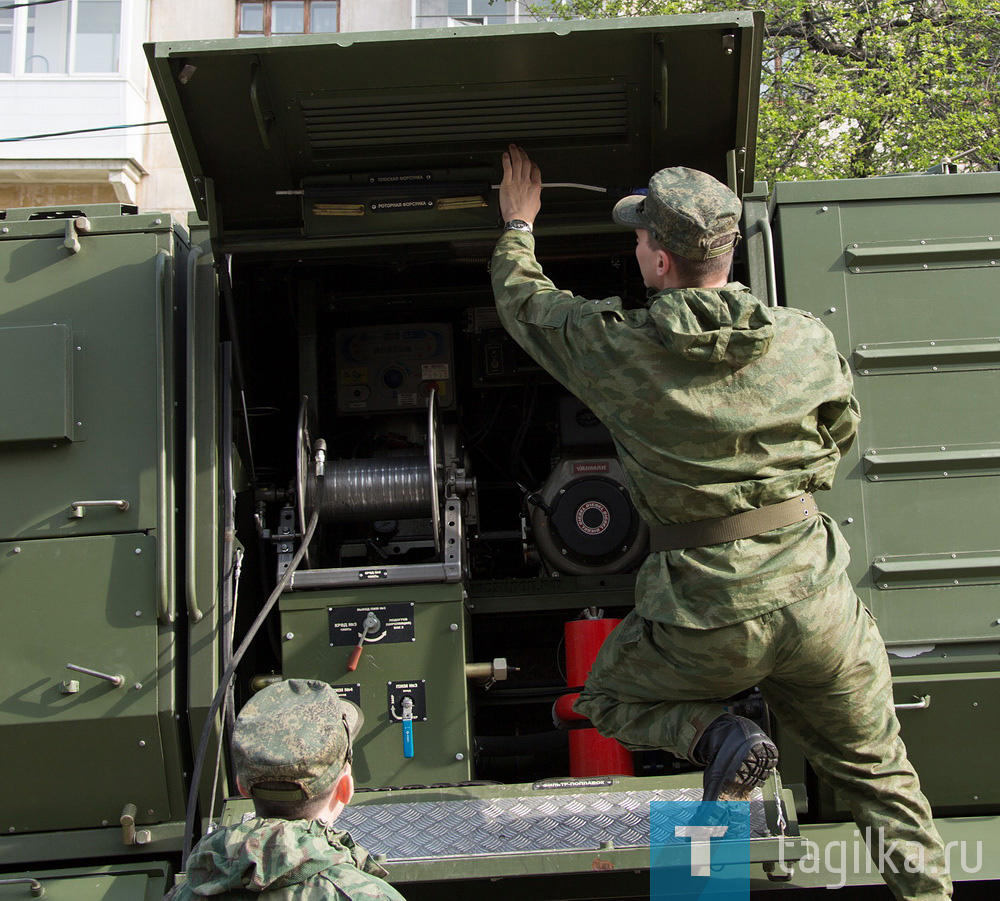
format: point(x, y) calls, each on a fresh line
point(79, 37)
point(450, 13)
point(267, 17)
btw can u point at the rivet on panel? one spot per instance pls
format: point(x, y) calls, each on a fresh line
point(956, 582)
point(142, 744)
point(857, 268)
point(849, 520)
point(864, 372)
point(453, 627)
point(138, 613)
point(137, 686)
point(17, 550)
point(138, 550)
point(460, 756)
point(874, 478)
point(923, 242)
point(289, 636)
point(883, 585)
point(934, 369)
point(933, 343)
point(832, 310)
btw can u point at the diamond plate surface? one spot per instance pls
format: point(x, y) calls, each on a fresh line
point(490, 826)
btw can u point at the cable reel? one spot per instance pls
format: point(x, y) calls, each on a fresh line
point(405, 486)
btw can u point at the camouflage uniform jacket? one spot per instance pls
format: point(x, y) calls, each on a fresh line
point(717, 404)
point(282, 859)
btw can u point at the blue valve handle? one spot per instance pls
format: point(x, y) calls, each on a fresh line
point(407, 727)
point(407, 738)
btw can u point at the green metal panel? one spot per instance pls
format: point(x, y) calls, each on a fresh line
point(395, 146)
point(948, 721)
point(433, 653)
point(902, 272)
point(112, 298)
point(123, 882)
point(36, 382)
point(83, 751)
point(958, 704)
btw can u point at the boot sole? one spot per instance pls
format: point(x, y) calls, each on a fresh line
point(754, 771)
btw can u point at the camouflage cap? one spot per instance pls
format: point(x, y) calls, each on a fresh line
point(686, 211)
point(298, 732)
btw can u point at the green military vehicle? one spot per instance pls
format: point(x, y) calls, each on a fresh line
point(291, 439)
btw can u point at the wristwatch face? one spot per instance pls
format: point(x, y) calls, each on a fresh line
point(517, 225)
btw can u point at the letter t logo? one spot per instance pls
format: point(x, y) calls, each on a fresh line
point(701, 852)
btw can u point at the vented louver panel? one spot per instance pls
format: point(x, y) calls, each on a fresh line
point(560, 111)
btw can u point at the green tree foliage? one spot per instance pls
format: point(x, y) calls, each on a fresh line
point(853, 89)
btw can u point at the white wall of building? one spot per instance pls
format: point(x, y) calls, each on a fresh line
point(37, 98)
point(164, 187)
point(375, 15)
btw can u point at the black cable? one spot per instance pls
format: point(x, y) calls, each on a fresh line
point(77, 131)
point(28, 3)
point(222, 690)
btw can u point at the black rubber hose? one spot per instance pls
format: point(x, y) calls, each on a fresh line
point(227, 676)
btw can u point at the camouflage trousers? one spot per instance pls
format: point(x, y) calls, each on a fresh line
point(822, 668)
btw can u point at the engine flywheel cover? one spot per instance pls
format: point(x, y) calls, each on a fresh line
point(593, 517)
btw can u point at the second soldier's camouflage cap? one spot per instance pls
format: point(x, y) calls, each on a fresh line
point(295, 737)
point(687, 211)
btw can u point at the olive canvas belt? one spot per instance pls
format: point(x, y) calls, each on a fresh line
point(729, 528)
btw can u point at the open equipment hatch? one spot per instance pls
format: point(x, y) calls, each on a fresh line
point(474, 529)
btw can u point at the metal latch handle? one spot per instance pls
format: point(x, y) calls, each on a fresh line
point(78, 508)
point(921, 703)
point(130, 835)
point(72, 241)
point(37, 889)
point(117, 680)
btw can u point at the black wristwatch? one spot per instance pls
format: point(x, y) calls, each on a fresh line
point(518, 225)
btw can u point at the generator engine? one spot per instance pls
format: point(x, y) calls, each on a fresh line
point(583, 520)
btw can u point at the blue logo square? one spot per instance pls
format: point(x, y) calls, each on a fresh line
point(699, 851)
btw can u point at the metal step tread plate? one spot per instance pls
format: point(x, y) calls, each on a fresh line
point(480, 827)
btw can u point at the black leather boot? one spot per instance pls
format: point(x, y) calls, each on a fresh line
point(738, 757)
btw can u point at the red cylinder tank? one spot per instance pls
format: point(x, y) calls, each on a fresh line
point(590, 754)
